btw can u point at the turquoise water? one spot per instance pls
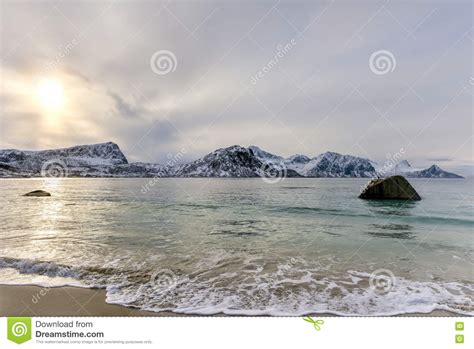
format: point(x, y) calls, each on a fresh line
point(242, 246)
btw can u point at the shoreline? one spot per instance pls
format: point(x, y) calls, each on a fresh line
point(28, 300)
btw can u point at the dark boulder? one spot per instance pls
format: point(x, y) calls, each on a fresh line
point(390, 188)
point(37, 193)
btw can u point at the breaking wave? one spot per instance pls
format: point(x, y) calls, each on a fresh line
point(292, 288)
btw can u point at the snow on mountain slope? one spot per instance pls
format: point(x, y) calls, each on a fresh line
point(264, 155)
point(405, 169)
point(332, 164)
point(402, 166)
point(77, 158)
point(106, 160)
point(433, 171)
point(234, 161)
point(80, 155)
point(328, 164)
point(297, 163)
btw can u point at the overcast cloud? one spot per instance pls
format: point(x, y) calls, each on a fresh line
point(315, 90)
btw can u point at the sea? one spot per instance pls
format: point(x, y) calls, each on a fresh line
point(244, 246)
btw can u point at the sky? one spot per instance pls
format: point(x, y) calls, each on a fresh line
point(366, 78)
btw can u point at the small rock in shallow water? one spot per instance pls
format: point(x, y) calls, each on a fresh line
point(390, 188)
point(37, 193)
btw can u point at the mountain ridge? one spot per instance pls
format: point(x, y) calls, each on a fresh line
point(107, 160)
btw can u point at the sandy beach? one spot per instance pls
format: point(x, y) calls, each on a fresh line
point(62, 301)
point(74, 301)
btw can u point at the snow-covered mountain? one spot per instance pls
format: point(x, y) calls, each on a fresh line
point(433, 171)
point(405, 169)
point(95, 160)
point(328, 164)
point(402, 167)
point(332, 164)
point(73, 159)
point(264, 155)
point(234, 161)
point(106, 160)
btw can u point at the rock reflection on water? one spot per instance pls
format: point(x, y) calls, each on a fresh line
point(391, 207)
point(387, 228)
point(391, 230)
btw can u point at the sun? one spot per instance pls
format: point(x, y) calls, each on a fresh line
point(50, 94)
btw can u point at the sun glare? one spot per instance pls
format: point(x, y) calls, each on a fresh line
point(51, 94)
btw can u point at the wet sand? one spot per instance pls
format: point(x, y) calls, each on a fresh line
point(62, 301)
point(74, 301)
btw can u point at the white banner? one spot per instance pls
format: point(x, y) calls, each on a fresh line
point(239, 332)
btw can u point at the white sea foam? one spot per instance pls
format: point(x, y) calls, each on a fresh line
point(28, 266)
point(280, 293)
point(270, 295)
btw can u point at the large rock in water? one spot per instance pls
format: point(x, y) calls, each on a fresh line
point(37, 193)
point(390, 188)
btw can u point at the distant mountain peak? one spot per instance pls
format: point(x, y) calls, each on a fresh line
point(400, 167)
point(107, 160)
point(233, 161)
point(404, 163)
point(434, 171)
point(330, 153)
point(298, 158)
point(264, 155)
